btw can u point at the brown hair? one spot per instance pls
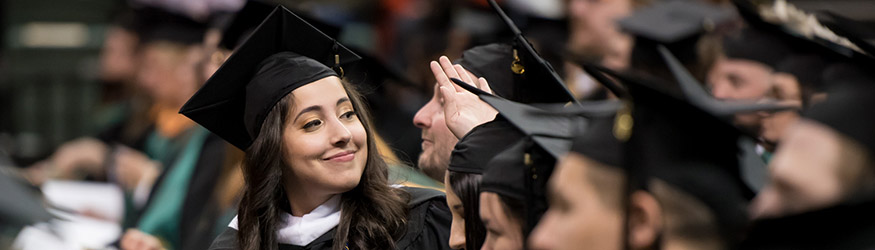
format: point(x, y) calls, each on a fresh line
point(374, 214)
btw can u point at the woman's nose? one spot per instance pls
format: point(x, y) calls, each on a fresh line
point(340, 134)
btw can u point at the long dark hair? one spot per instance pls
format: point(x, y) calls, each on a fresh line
point(467, 188)
point(373, 214)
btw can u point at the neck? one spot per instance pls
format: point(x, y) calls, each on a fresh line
point(302, 200)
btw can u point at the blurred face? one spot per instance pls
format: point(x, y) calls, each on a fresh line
point(168, 73)
point(457, 228)
point(117, 57)
point(739, 79)
point(786, 90)
point(324, 140)
point(593, 29)
point(437, 140)
point(578, 217)
point(804, 172)
point(502, 231)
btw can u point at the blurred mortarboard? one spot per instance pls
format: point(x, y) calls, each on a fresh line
point(478, 146)
point(677, 25)
point(688, 142)
point(375, 72)
point(492, 61)
point(854, 31)
point(282, 54)
point(155, 24)
point(598, 142)
point(755, 45)
point(832, 49)
point(535, 80)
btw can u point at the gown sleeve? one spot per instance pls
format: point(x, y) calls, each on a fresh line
point(429, 221)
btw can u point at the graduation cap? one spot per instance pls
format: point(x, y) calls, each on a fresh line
point(854, 31)
point(155, 24)
point(484, 141)
point(243, 23)
point(535, 80)
point(677, 25)
point(755, 45)
point(598, 142)
point(282, 54)
point(492, 61)
point(830, 51)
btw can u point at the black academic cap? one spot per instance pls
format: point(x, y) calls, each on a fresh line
point(677, 25)
point(828, 50)
point(478, 146)
point(854, 31)
point(155, 24)
point(535, 80)
point(492, 61)
point(375, 72)
point(243, 23)
point(282, 54)
point(598, 142)
point(520, 172)
point(755, 45)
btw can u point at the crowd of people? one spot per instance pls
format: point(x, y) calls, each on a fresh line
point(630, 124)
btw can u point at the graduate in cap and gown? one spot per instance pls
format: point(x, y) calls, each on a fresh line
point(314, 177)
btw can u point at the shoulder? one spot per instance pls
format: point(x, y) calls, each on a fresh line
point(428, 221)
point(226, 241)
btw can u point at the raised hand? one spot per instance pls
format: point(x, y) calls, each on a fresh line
point(462, 110)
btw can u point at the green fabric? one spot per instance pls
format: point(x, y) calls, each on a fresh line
point(399, 174)
point(767, 157)
point(161, 218)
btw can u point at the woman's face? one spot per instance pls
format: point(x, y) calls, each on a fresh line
point(325, 142)
point(457, 228)
point(502, 231)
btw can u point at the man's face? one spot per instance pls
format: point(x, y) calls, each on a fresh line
point(804, 172)
point(739, 79)
point(786, 90)
point(437, 140)
point(578, 217)
point(593, 28)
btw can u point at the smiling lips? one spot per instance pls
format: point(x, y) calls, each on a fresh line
point(344, 156)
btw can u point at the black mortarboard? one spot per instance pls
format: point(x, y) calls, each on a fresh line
point(478, 146)
point(535, 80)
point(520, 172)
point(598, 142)
point(677, 25)
point(690, 144)
point(492, 61)
point(854, 31)
point(243, 23)
point(755, 45)
point(159, 25)
point(829, 51)
point(282, 54)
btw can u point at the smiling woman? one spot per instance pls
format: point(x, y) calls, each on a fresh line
point(314, 177)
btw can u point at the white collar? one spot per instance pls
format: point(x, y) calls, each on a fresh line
point(300, 231)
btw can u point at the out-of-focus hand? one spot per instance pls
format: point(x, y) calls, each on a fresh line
point(137, 240)
point(462, 110)
point(83, 154)
point(133, 167)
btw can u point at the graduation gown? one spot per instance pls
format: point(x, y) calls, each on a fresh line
point(848, 226)
point(428, 226)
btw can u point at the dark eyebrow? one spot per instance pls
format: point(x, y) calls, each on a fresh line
point(317, 108)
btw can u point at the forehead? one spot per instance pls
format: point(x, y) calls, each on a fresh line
point(325, 91)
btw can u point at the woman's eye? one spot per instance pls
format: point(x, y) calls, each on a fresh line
point(312, 123)
point(348, 115)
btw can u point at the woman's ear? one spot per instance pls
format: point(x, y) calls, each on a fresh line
point(645, 221)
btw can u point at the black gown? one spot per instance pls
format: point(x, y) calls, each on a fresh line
point(428, 226)
point(848, 226)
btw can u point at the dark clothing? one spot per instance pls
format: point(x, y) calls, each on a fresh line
point(200, 212)
point(847, 226)
point(428, 226)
